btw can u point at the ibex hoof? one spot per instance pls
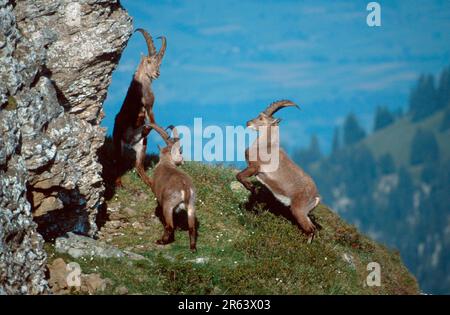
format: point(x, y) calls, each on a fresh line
point(193, 249)
point(118, 183)
point(161, 242)
point(146, 130)
point(310, 230)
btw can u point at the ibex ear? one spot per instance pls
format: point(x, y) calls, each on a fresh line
point(177, 143)
point(276, 122)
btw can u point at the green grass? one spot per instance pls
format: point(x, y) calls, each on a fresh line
point(11, 104)
point(249, 251)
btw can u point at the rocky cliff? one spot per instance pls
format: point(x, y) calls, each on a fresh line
point(56, 60)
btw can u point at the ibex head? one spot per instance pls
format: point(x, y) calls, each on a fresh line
point(150, 64)
point(173, 152)
point(266, 118)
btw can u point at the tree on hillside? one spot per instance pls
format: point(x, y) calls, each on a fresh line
point(355, 168)
point(430, 172)
point(445, 123)
point(386, 164)
point(383, 118)
point(423, 98)
point(310, 155)
point(336, 141)
point(401, 198)
point(314, 148)
point(353, 132)
point(432, 221)
point(443, 91)
point(424, 148)
point(398, 113)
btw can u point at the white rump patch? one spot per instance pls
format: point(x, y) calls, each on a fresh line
point(283, 199)
point(181, 206)
point(316, 203)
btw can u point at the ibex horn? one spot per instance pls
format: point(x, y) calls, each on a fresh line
point(275, 106)
point(161, 132)
point(174, 131)
point(162, 50)
point(148, 38)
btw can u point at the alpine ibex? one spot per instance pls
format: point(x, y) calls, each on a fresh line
point(288, 182)
point(173, 188)
point(129, 127)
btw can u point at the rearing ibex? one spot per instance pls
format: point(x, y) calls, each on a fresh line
point(129, 127)
point(173, 188)
point(288, 182)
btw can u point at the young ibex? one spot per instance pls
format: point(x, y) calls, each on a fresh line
point(288, 182)
point(129, 127)
point(173, 188)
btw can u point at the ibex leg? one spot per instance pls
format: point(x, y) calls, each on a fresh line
point(151, 117)
point(118, 158)
point(168, 236)
point(141, 148)
point(243, 177)
point(300, 210)
point(192, 227)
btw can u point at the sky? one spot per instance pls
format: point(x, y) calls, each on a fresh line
point(226, 60)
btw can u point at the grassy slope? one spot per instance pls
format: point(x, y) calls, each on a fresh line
point(396, 138)
point(249, 252)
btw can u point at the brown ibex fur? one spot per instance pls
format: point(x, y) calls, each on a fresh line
point(288, 182)
point(173, 188)
point(129, 127)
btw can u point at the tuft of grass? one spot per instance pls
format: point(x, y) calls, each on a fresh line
point(242, 250)
point(11, 104)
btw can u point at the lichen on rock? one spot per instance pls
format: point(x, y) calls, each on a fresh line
point(56, 61)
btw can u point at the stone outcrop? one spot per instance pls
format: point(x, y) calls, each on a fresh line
point(81, 246)
point(60, 273)
point(56, 60)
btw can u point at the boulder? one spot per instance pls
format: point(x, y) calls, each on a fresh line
point(81, 246)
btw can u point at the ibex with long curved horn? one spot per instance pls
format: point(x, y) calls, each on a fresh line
point(129, 127)
point(173, 188)
point(287, 181)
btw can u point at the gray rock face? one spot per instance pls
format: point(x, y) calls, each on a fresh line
point(81, 246)
point(56, 60)
point(84, 39)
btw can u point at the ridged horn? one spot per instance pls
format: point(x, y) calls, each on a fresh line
point(162, 50)
point(148, 38)
point(276, 106)
point(161, 132)
point(174, 131)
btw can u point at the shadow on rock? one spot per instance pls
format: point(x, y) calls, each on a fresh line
point(111, 171)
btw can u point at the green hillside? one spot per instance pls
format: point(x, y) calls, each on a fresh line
point(393, 183)
point(396, 138)
point(242, 248)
